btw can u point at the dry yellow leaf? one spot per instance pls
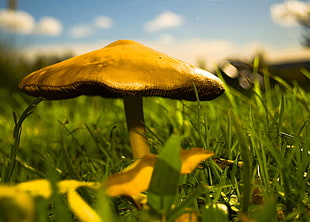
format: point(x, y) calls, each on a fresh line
point(80, 208)
point(133, 180)
point(192, 157)
point(188, 217)
point(223, 163)
point(65, 186)
point(21, 202)
point(23, 193)
point(40, 187)
point(137, 176)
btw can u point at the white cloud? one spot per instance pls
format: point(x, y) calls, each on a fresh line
point(103, 22)
point(291, 13)
point(190, 50)
point(16, 21)
point(166, 19)
point(81, 31)
point(21, 22)
point(49, 26)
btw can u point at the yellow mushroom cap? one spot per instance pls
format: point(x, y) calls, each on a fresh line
point(124, 67)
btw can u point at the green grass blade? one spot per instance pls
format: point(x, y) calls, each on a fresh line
point(16, 137)
point(179, 210)
point(163, 185)
point(247, 167)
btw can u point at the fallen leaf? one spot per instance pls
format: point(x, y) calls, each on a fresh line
point(192, 157)
point(40, 187)
point(223, 163)
point(137, 176)
point(65, 186)
point(134, 180)
point(139, 200)
point(80, 208)
point(16, 205)
point(23, 193)
point(188, 217)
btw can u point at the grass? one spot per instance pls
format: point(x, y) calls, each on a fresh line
point(85, 139)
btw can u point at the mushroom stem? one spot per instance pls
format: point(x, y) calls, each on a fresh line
point(135, 123)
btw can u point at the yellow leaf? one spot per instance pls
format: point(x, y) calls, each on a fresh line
point(80, 208)
point(188, 217)
point(18, 205)
point(23, 194)
point(192, 157)
point(139, 200)
point(65, 186)
point(134, 180)
point(223, 163)
point(40, 187)
point(76, 203)
point(137, 176)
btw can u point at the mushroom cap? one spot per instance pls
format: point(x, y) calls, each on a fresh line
point(122, 68)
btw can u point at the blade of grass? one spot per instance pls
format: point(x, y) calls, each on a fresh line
point(71, 169)
point(199, 125)
point(247, 164)
point(165, 177)
point(16, 137)
point(178, 211)
point(98, 142)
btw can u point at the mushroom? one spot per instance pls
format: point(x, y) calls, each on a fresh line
point(124, 69)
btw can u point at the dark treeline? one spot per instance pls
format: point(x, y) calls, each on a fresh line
point(14, 65)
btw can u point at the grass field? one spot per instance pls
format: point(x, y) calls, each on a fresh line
point(265, 135)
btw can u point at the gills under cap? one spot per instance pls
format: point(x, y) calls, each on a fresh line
point(122, 68)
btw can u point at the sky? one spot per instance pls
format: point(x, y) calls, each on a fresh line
point(191, 30)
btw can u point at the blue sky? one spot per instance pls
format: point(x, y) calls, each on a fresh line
point(188, 29)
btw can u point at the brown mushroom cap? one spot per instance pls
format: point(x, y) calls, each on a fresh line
point(122, 68)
